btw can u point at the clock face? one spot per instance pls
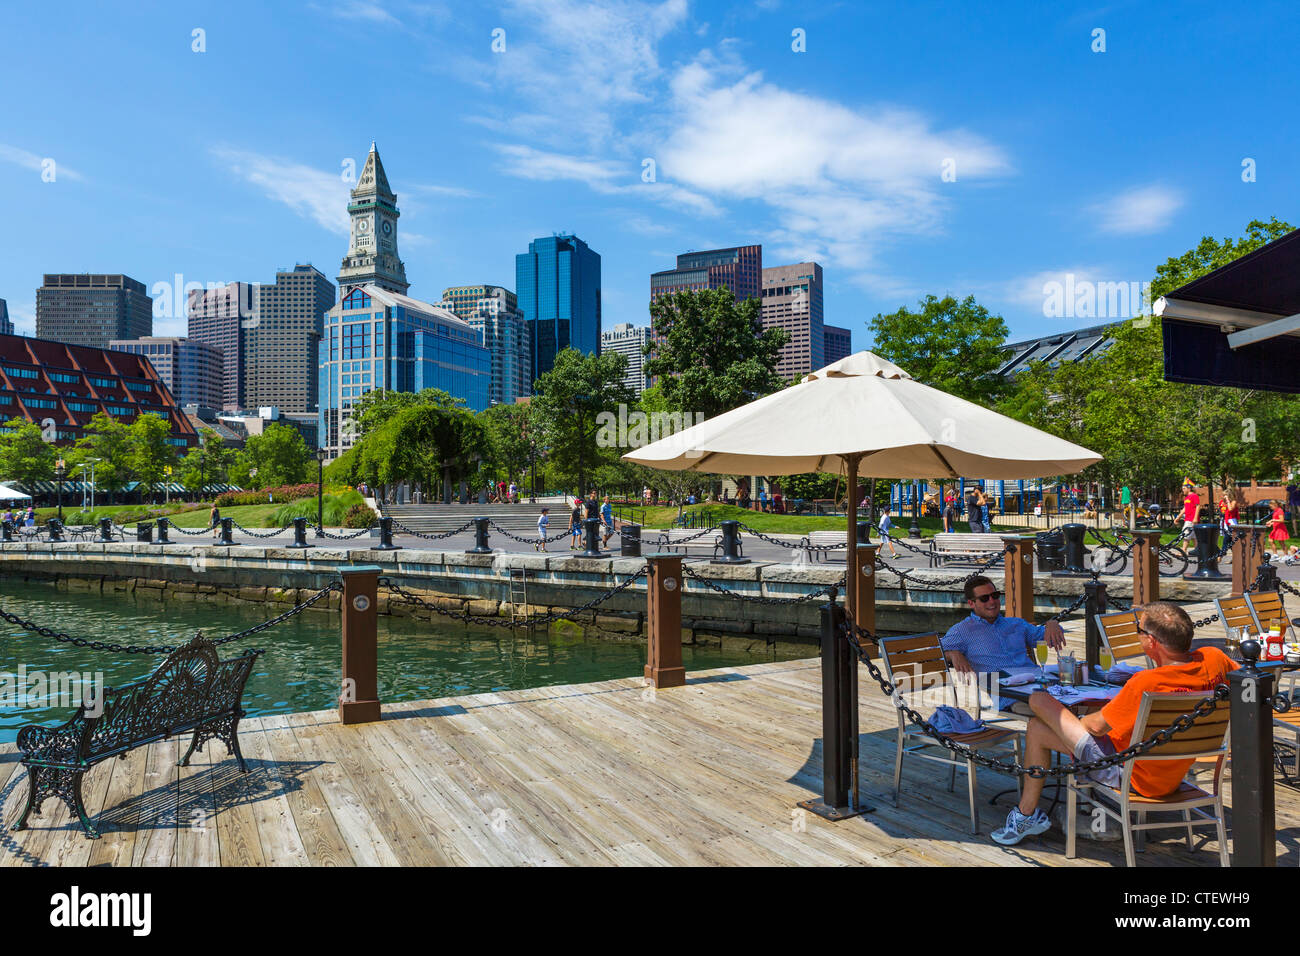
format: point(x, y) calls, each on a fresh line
point(363, 226)
point(388, 227)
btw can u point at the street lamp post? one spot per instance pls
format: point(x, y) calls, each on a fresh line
point(60, 469)
point(320, 492)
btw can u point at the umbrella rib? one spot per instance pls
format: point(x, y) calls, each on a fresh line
point(952, 472)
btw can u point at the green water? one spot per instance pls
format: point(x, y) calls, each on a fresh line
point(300, 670)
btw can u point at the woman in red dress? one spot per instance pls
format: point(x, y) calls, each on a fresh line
point(1279, 533)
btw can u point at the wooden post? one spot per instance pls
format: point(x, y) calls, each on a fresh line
point(1146, 566)
point(664, 621)
point(863, 582)
point(359, 700)
point(1019, 581)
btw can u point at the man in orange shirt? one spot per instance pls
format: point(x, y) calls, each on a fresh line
point(1165, 632)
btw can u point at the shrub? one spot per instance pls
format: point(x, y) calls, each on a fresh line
point(359, 516)
point(335, 507)
point(282, 493)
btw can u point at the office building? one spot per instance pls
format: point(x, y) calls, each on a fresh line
point(739, 269)
point(792, 300)
point(190, 370)
point(281, 341)
point(6, 324)
point(92, 309)
point(839, 344)
point(494, 312)
point(67, 385)
point(630, 341)
point(558, 284)
point(215, 317)
point(372, 257)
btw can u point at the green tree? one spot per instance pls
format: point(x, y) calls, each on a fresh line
point(1210, 254)
point(206, 463)
point(379, 405)
point(510, 441)
point(566, 401)
point(424, 444)
point(712, 353)
point(24, 455)
point(954, 346)
point(149, 451)
point(109, 441)
point(279, 455)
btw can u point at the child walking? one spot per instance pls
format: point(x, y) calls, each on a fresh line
point(543, 522)
point(885, 527)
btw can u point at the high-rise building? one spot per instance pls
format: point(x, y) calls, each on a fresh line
point(67, 385)
point(494, 312)
point(191, 370)
point(739, 269)
point(792, 300)
point(6, 324)
point(92, 309)
point(558, 282)
point(372, 245)
point(629, 340)
point(839, 344)
point(281, 341)
point(215, 318)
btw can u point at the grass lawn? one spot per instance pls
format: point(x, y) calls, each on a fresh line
point(787, 524)
point(250, 516)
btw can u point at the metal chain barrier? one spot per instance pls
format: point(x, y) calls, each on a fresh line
point(343, 537)
point(534, 541)
point(908, 575)
point(466, 617)
point(256, 534)
point(163, 649)
point(786, 544)
point(758, 599)
point(699, 534)
point(175, 527)
point(1205, 706)
point(433, 537)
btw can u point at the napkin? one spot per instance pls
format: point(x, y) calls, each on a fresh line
point(1017, 678)
point(954, 720)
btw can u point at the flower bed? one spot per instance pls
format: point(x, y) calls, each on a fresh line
point(282, 493)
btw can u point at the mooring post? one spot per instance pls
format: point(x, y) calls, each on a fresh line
point(300, 533)
point(359, 699)
point(144, 532)
point(228, 532)
point(6, 531)
point(664, 621)
point(1267, 574)
point(1073, 533)
point(480, 538)
point(838, 704)
point(55, 528)
point(1018, 580)
point(385, 536)
point(730, 544)
point(1146, 566)
point(162, 531)
point(1094, 605)
point(105, 530)
point(1251, 722)
point(1207, 544)
point(592, 528)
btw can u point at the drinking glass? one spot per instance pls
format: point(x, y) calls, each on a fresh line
point(1042, 652)
point(1105, 660)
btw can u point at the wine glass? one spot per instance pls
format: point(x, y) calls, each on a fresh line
point(1105, 660)
point(1042, 652)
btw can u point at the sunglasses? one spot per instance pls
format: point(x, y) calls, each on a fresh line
point(981, 598)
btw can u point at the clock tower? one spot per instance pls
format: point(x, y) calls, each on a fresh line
point(372, 242)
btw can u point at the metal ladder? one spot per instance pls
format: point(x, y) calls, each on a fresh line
point(518, 595)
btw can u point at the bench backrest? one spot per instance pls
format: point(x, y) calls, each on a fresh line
point(959, 541)
point(192, 684)
point(1268, 610)
point(675, 534)
point(827, 537)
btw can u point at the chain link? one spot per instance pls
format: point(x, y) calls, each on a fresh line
point(908, 575)
point(758, 599)
point(208, 530)
point(533, 541)
point(163, 649)
point(342, 537)
point(466, 617)
point(433, 537)
point(256, 534)
point(801, 546)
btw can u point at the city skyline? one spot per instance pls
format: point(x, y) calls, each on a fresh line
point(635, 143)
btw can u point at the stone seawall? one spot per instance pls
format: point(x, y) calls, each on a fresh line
point(479, 585)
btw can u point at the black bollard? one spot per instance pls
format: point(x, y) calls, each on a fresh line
point(1251, 737)
point(731, 544)
point(630, 541)
point(480, 537)
point(592, 527)
point(864, 532)
point(144, 532)
point(162, 531)
point(385, 536)
point(105, 531)
point(55, 529)
point(838, 704)
point(1266, 575)
point(228, 532)
point(300, 533)
point(1074, 568)
point(6, 531)
point(1207, 565)
point(1095, 604)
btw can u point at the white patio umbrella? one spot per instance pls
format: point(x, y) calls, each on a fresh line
point(868, 417)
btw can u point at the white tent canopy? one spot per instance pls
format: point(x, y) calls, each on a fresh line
point(8, 493)
point(865, 407)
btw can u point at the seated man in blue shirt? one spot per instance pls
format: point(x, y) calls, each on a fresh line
point(986, 642)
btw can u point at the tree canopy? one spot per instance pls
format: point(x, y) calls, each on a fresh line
point(278, 456)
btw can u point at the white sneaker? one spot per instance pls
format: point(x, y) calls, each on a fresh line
point(1020, 826)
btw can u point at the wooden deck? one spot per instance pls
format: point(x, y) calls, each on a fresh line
point(603, 773)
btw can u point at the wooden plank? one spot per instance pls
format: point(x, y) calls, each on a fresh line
point(155, 842)
point(264, 790)
point(293, 773)
point(120, 813)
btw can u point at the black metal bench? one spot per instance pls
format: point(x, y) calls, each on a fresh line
point(193, 690)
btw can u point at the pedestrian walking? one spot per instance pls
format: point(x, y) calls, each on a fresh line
point(575, 524)
point(1278, 535)
point(984, 512)
point(214, 519)
point(514, 493)
point(543, 523)
point(974, 516)
point(607, 519)
point(886, 526)
point(950, 512)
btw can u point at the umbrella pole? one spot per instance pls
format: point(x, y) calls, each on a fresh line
point(851, 612)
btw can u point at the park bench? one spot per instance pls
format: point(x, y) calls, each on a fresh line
point(963, 548)
point(193, 691)
point(674, 539)
point(820, 540)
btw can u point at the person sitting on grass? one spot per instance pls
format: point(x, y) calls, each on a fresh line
point(1165, 632)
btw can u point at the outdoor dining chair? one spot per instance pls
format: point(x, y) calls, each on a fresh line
point(1207, 738)
point(1119, 630)
point(1235, 612)
point(1268, 611)
point(915, 665)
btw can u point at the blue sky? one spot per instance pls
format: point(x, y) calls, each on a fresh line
point(227, 164)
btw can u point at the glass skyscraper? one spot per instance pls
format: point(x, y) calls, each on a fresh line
point(558, 284)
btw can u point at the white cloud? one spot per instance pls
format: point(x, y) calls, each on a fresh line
point(1141, 210)
point(312, 193)
point(21, 157)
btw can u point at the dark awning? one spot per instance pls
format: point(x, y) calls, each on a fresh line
point(1240, 325)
